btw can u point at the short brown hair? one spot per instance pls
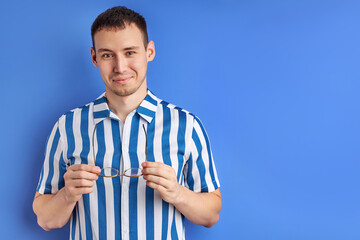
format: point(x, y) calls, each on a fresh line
point(118, 18)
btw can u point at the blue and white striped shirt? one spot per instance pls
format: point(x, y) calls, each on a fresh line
point(122, 207)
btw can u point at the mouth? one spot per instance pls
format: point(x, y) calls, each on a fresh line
point(122, 80)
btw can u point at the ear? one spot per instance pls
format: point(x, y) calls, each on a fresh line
point(150, 51)
point(93, 56)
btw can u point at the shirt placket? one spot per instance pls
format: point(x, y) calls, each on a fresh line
point(125, 181)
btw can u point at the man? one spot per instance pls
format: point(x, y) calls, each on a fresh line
point(127, 127)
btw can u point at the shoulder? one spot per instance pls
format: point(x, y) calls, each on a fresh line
point(182, 117)
point(174, 109)
point(76, 114)
point(180, 111)
point(85, 108)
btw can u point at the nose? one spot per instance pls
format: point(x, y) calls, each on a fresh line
point(119, 64)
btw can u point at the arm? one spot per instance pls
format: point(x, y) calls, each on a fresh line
point(199, 208)
point(54, 210)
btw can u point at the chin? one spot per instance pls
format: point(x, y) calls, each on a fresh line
point(125, 92)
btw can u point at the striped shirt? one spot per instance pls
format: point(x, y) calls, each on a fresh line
point(122, 207)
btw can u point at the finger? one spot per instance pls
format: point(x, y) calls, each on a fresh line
point(85, 167)
point(83, 175)
point(154, 165)
point(82, 190)
point(158, 181)
point(156, 187)
point(164, 172)
point(79, 183)
point(74, 193)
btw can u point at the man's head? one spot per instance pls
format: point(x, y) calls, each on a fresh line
point(118, 18)
point(121, 51)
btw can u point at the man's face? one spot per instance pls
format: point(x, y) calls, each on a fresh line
point(122, 59)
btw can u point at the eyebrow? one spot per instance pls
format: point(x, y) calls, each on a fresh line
point(125, 49)
point(104, 50)
point(131, 48)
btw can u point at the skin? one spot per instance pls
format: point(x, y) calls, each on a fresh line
point(122, 59)
point(54, 210)
point(198, 208)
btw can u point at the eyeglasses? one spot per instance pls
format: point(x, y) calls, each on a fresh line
point(110, 172)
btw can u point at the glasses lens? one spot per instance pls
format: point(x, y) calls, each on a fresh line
point(108, 172)
point(133, 172)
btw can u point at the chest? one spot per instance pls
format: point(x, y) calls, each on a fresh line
point(112, 144)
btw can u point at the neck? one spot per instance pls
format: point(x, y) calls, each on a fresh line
point(123, 105)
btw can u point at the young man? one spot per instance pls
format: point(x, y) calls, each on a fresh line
point(127, 127)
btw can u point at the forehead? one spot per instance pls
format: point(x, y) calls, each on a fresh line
point(116, 38)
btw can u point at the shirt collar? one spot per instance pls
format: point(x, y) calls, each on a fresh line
point(148, 106)
point(101, 109)
point(146, 110)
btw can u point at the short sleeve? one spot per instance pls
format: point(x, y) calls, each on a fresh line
point(54, 167)
point(200, 173)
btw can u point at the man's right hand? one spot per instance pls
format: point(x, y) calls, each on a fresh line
point(79, 180)
point(54, 210)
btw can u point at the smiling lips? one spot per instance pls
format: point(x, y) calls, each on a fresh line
point(122, 80)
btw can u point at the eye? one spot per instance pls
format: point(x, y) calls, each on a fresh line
point(130, 53)
point(107, 55)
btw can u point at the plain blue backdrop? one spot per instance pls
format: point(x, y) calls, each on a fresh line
point(276, 84)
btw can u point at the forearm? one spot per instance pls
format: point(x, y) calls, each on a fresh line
point(199, 208)
point(52, 210)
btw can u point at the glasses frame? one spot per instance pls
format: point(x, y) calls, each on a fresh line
point(117, 171)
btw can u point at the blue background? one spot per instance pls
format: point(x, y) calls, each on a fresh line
point(276, 84)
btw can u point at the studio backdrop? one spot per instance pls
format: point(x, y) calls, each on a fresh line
point(275, 83)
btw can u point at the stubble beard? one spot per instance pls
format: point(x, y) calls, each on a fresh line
point(128, 92)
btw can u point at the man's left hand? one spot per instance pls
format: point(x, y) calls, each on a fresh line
point(162, 178)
